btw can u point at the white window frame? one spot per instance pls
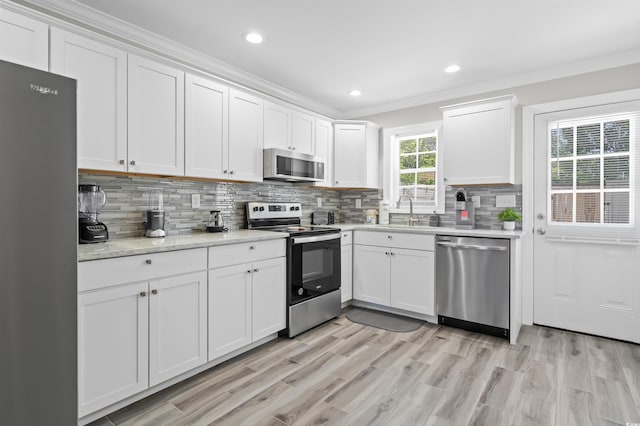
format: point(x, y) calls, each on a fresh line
point(574, 123)
point(391, 168)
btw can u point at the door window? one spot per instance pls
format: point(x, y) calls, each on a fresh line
point(590, 171)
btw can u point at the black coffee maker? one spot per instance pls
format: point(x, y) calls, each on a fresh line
point(91, 200)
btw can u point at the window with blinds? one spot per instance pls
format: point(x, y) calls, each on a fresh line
point(416, 159)
point(591, 174)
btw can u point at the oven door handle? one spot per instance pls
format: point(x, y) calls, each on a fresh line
point(315, 238)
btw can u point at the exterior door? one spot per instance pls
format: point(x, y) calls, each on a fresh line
point(586, 243)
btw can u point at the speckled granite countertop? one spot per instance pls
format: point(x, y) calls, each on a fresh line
point(490, 233)
point(133, 246)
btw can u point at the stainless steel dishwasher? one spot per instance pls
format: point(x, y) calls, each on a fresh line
point(472, 283)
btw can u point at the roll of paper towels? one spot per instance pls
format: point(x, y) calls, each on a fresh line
point(383, 217)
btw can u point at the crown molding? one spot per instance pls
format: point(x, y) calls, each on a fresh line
point(596, 64)
point(86, 17)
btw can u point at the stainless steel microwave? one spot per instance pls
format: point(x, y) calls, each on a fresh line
point(281, 164)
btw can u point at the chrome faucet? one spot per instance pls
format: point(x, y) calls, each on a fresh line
point(412, 220)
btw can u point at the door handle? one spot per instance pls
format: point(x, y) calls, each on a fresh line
point(541, 231)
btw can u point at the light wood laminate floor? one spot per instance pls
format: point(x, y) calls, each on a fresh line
point(345, 373)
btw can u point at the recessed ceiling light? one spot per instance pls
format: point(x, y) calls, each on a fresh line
point(355, 93)
point(452, 68)
point(253, 38)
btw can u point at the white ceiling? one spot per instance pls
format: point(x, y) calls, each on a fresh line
point(394, 51)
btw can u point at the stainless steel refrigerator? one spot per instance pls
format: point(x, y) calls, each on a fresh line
point(38, 248)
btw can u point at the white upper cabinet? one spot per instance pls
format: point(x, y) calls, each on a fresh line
point(356, 162)
point(286, 128)
point(101, 72)
point(303, 133)
point(23, 40)
point(277, 126)
point(324, 149)
point(245, 136)
point(156, 118)
point(206, 128)
point(478, 142)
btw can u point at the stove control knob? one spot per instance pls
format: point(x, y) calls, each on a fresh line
point(255, 209)
point(297, 207)
point(261, 209)
point(292, 208)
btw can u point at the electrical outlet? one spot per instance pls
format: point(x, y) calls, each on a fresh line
point(358, 203)
point(476, 201)
point(195, 201)
point(319, 201)
point(503, 201)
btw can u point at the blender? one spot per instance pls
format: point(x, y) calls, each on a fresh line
point(91, 200)
point(155, 215)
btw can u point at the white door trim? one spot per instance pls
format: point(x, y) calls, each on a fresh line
point(528, 117)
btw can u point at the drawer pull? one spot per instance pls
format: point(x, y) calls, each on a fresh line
point(248, 271)
point(252, 247)
point(154, 291)
point(389, 237)
point(148, 261)
point(143, 294)
point(255, 270)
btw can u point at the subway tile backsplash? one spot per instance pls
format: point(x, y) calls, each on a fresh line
point(127, 201)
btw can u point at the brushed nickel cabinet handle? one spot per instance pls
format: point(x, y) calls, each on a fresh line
point(255, 270)
point(121, 161)
point(248, 271)
point(148, 261)
point(154, 291)
point(143, 293)
point(132, 162)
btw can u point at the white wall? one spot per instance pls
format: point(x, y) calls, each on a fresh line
point(593, 83)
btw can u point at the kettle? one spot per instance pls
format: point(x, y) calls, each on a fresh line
point(216, 222)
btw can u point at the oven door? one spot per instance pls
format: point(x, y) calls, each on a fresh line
point(314, 266)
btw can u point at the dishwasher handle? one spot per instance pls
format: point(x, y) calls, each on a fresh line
point(471, 246)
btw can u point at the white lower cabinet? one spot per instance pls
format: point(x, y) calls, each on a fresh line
point(112, 345)
point(247, 301)
point(346, 265)
point(177, 325)
point(393, 276)
point(135, 335)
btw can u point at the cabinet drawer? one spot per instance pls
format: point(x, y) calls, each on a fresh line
point(346, 237)
point(395, 239)
point(121, 270)
point(234, 254)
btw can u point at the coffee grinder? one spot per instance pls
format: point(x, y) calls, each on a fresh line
point(155, 215)
point(465, 212)
point(91, 200)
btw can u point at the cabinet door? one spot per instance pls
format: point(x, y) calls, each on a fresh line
point(277, 126)
point(156, 118)
point(245, 136)
point(349, 157)
point(101, 72)
point(371, 274)
point(269, 297)
point(229, 309)
point(206, 128)
point(478, 143)
point(177, 325)
point(303, 134)
point(23, 40)
point(412, 281)
point(112, 345)
point(346, 272)
point(324, 149)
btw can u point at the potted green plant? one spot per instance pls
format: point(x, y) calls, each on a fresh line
point(509, 217)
